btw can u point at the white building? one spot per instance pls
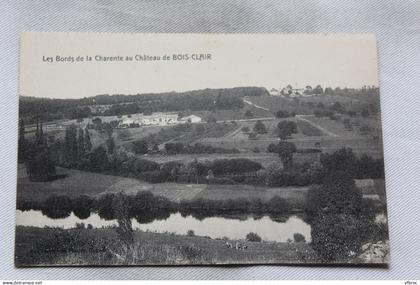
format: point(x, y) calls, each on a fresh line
point(191, 119)
point(155, 119)
point(274, 92)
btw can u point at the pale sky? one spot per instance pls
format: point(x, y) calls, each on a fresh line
point(266, 60)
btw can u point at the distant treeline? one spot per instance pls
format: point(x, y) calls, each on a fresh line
point(206, 99)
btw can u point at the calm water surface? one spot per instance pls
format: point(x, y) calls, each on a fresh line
point(214, 227)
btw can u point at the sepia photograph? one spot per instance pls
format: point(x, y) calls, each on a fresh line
point(199, 149)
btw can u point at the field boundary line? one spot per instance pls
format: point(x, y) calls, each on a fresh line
point(322, 129)
point(255, 105)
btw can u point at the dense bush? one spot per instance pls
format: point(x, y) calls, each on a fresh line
point(99, 159)
point(259, 128)
point(198, 148)
point(253, 237)
point(284, 114)
point(277, 205)
point(140, 147)
point(336, 237)
point(156, 176)
point(286, 129)
point(82, 206)
point(174, 148)
point(38, 161)
point(57, 206)
point(297, 237)
point(143, 165)
point(337, 195)
point(103, 206)
point(338, 107)
point(324, 113)
point(308, 150)
point(358, 167)
point(221, 181)
point(298, 175)
point(234, 165)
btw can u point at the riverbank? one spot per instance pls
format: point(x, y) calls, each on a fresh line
point(58, 247)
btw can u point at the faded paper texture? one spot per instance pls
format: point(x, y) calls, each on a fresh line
point(192, 149)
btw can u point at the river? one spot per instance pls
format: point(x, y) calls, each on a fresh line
point(214, 227)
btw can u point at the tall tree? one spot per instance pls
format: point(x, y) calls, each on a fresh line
point(99, 159)
point(21, 142)
point(110, 144)
point(39, 165)
point(81, 145)
point(333, 210)
point(88, 143)
point(260, 128)
point(286, 150)
point(286, 129)
point(318, 90)
point(70, 142)
point(38, 159)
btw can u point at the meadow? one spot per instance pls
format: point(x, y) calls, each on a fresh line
point(78, 247)
point(76, 183)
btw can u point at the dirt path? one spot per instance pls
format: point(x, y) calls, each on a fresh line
point(325, 131)
point(255, 105)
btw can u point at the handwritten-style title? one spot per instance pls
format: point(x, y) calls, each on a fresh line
point(128, 58)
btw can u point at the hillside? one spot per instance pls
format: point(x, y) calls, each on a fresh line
point(119, 104)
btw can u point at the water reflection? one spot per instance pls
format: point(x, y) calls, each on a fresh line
point(233, 227)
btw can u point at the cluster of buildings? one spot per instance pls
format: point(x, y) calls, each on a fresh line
point(129, 121)
point(290, 91)
point(156, 119)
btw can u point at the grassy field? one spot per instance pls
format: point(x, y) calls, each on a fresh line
point(337, 126)
point(49, 246)
point(215, 192)
point(78, 182)
point(264, 158)
point(308, 129)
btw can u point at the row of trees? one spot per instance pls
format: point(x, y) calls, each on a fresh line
point(77, 146)
point(36, 154)
point(197, 148)
point(341, 221)
point(318, 89)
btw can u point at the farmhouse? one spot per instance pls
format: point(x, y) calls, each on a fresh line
point(274, 92)
point(191, 119)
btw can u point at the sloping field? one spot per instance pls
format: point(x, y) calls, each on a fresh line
point(337, 126)
point(173, 191)
point(78, 183)
point(223, 192)
point(74, 183)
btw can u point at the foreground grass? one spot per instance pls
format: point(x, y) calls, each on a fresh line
point(53, 246)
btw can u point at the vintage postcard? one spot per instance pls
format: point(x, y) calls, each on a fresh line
point(190, 149)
